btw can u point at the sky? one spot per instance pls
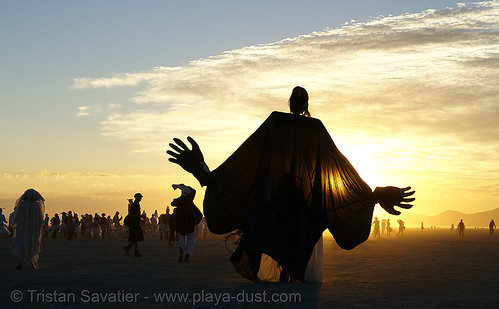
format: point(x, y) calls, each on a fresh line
point(92, 92)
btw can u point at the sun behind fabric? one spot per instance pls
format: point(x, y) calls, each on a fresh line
point(283, 187)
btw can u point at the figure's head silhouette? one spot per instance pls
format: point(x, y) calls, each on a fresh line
point(138, 196)
point(298, 102)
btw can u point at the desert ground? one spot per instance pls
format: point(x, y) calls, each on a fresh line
point(431, 269)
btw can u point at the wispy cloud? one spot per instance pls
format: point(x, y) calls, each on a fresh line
point(82, 111)
point(424, 86)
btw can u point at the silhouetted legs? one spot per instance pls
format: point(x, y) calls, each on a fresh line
point(129, 246)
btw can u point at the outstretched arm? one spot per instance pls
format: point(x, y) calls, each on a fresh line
point(191, 160)
point(389, 197)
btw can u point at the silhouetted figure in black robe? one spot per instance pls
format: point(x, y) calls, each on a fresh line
point(283, 187)
point(135, 233)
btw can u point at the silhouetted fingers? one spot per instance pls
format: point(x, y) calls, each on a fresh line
point(194, 144)
point(389, 209)
point(406, 206)
point(180, 143)
point(177, 149)
point(408, 199)
point(409, 193)
point(393, 212)
point(173, 160)
point(173, 154)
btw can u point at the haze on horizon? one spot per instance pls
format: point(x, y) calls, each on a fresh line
point(409, 99)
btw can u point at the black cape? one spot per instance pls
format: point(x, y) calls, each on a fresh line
point(283, 187)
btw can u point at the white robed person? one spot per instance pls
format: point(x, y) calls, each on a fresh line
point(28, 225)
point(283, 187)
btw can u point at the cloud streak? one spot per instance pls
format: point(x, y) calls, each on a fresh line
point(87, 110)
point(82, 111)
point(422, 85)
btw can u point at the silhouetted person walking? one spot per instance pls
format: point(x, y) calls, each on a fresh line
point(46, 221)
point(132, 220)
point(4, 232)
point(54, 225)
point(186, 218)
point(164, 225)
point(388, 228)
point(173, 228)
point(401, 227)
point(376, 232)
point(492, 226)
point(116, 222)
point(104, 225)
point(460, 228)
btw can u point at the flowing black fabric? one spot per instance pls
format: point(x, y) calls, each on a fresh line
point(283, 187)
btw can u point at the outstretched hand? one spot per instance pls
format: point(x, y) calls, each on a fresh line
point(190, 160)
point(389, 197)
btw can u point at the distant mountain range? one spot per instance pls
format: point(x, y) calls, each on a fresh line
point(446, 218)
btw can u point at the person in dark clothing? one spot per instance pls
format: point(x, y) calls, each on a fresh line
point(288, 154)
point(104, 224)
point(164, 225)
point(70, 226)
point(173, 228)
point(55, 222)
point(135, 233)
point(460, 228)
point(186, 218)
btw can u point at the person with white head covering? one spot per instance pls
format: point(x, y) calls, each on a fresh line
point(28, 225)
point(186, 218)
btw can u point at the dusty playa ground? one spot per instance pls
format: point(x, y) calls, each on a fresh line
point(430, 269)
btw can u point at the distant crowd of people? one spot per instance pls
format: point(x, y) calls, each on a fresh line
point(69, 225)
point(386, 227)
